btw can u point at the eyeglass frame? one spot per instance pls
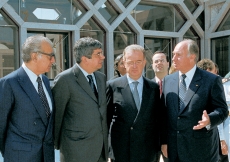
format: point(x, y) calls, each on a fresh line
point(47, 54)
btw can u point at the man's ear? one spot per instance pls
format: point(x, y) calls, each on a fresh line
point(34, 56)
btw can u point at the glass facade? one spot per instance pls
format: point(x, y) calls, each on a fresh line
point(157, 17)
point(48, 11)
point(155, 25)
point(9, 51)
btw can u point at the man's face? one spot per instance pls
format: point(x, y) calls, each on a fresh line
point(96, 60)
point(182, 60)
point(44, 59)
point(134, 63)
point(160, 64)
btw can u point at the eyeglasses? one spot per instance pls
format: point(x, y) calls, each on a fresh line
point(131, 63)
point(51, 55)
point(99, 54)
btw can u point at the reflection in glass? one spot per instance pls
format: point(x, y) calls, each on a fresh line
point(8, 45)
point(125, 2)
point(152, 45)
point(220, 53)
point(200, 20)
point(93, 1)
point(156, 17)
point(123, 36)
point(49, 11)
point(225, 24)
point(108, 12)
point(191, 5)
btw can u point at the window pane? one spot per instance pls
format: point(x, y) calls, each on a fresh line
point(191, 5)
point(225, 24)
point(61, 50)
point(108, 12)
point(221, 54)
point(48, 11)
point(160, 18)
point(152, 45)
point(125, 2)
point(8, 45)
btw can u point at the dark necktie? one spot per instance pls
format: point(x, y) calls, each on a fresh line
point(92, 85)
point(136, 95)
point(182, 91)
point(160, 86)
point(42, 96)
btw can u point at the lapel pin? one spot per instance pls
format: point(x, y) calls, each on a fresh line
point(197, 85)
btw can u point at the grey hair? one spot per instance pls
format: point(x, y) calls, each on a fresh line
point(33, 45)
point(193, 48)
point(134, 47)
point(85, 47)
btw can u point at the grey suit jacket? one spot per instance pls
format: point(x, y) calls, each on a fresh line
point(80, 118)
point(205, 92)
point(26, 134)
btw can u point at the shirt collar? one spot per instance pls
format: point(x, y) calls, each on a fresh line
point(130, 80)
point(33, 77)
point(84, 72)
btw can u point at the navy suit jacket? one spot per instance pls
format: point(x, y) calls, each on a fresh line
point(205, 92)
point(26, 134)
point(134, 136)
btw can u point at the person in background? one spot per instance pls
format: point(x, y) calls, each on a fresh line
point(160, 67)
point(26, 106)
point(135, 106)
point(119, 67)
point(81, 131)
point(172, 69)
point(195, 105)
point(207, 64)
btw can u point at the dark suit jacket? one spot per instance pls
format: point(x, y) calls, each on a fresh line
point(205, 92)
point(80, 118)
point(26, 134)
point(134, 139)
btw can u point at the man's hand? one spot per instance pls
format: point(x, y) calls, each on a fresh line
point(204, 122)
point(164, 150)
point(224, 147)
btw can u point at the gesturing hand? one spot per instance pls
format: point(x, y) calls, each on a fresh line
point(204, 122)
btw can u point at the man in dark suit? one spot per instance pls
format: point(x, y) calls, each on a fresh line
point(81, 131)
point(195, 104)
point(135, 107)
point(160, 67)
point(26, 106)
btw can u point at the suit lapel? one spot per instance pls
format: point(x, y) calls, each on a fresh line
point(193, 87)
point(174, 86)
point(82, 81)
point(29, 89)
point(146, 93)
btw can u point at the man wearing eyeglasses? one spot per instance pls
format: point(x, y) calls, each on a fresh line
point(134, 106)
point(81, 132)
point(26, 106)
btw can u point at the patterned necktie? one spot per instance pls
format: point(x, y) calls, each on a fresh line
point(92, 85)
point(136, 95)
point(42, 96)
point(182, 91)
point(160, 86)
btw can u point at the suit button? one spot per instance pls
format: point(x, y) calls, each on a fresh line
point(35, 123)
point(131, 128)
point(178, 118)
point(178, 132)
